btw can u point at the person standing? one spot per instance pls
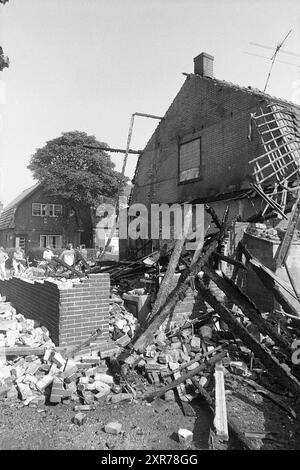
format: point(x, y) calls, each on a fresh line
point(68, 255)
point(3, 258)
point(18, 261)
point(83, 252)
point(48, 254)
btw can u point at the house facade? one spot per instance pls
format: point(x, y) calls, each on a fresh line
point(203, 148)
point(38, 219)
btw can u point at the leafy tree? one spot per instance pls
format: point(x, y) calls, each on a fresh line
point(68, 166)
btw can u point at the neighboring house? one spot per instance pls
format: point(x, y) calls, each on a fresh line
point(202, 149)
point(37, 219)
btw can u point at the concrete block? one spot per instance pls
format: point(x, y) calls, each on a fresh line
point(185, 437)
point(123, 340)
point(58, 360)
point(113, 428)
point(25, 391)
point(121, 397)
point(169, 395)
point(193, 366)
point(57, 391)
point(79, 419)
point(44, 382)
point(104, 378)
point(84, 408)
point(195, 344)
point(88, 397)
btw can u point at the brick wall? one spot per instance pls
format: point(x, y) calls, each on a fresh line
point(219, 115)
point(71, 315)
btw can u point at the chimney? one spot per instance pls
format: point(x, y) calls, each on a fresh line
point(203, 65)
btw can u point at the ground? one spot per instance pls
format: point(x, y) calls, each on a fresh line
point(144, 426)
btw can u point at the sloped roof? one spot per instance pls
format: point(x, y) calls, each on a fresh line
point(293, 107)
point(7, 215)
point(251, 91)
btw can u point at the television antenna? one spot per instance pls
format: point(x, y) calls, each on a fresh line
point(273, 57)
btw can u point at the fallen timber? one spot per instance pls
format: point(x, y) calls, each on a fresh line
point(269, 282)
point(270, 362)
point(183, 378)
point(248, 444)
point(248, 307)
point(180, 290)
point(165, 286)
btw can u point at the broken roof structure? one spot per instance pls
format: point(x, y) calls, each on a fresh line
point(203, 108)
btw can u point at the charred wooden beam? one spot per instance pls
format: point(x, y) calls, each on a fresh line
point(180, 290)
point(249, 308)
point(158, 393)
point(229, 260)
point(165, 286)
point(113, 150)
point(269, 284)
point(67, 266)
point(271, 363)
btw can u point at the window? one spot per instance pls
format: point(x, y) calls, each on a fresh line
point(57, 210)
point(189, 160)
point(43, 210)
point(46, 210)
point(21, 242)
point(54, 241)
point(36, 209)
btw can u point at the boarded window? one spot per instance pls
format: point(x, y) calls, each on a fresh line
point(189, 160)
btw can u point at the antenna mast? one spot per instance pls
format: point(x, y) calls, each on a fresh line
point(274, 57)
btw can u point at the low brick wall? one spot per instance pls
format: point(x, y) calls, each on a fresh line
point(70, 315)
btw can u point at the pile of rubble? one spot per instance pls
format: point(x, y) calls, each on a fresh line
point(122, 324)
point(261, 231)
point(16, 330)
point(33, 370)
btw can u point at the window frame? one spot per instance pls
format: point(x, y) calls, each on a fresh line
point(46, 209)
point(183, 142)
point(48, 243)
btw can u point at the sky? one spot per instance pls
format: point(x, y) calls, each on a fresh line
point(87, 65)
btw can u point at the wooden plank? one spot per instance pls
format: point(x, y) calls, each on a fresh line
point(220, 419)
point(233, 427)
point(22, 351)
point(283, 249)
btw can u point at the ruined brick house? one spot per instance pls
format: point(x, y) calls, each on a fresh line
point(203, 150)
point(37, 219)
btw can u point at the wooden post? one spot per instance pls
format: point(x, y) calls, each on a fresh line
point(220, 419)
